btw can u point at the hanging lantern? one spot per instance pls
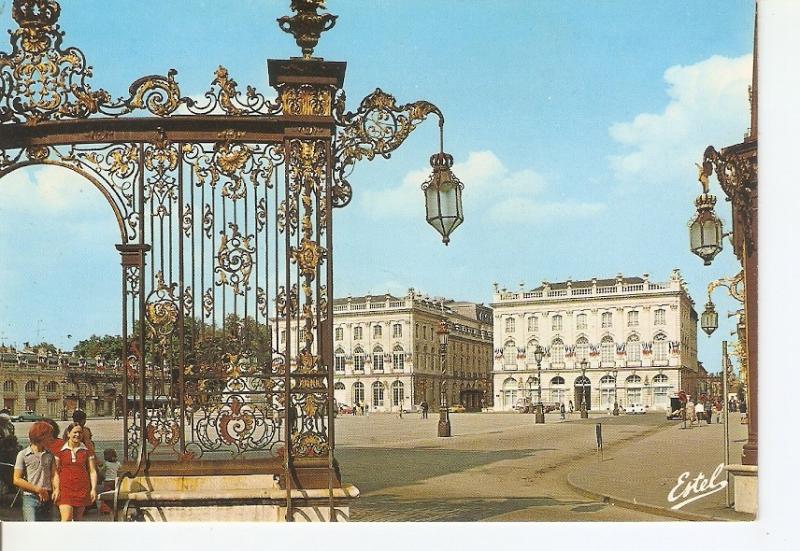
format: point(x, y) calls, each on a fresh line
point(705, 230)
point(442, 190)
point(709, 319)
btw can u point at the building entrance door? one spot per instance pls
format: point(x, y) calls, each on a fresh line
point(583, 393)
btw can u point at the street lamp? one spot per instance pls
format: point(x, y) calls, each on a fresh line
point(705, 230)
point(538, 354)
point(709, 319)
point(444, 416)
point(584, 411)
point(442, 189)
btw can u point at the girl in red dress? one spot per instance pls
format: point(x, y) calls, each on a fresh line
point(76, 468)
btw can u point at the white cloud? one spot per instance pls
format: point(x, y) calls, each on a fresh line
point(708, 105)
point(47, 190)
point(490, 190)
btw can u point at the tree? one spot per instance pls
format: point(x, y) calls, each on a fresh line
point(108, 347)
point(50, 348)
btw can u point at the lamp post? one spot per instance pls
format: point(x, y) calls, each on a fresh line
point(444, 416)
point(584, 411)
point(736, 167)
point(616, 402)
point(538, 354)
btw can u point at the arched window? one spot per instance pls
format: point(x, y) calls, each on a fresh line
point(338, 360)
point(377, 394)
point(358, 393)
point(30, 386)
point(529, 350)
point(607, 380)
point(633, 349)
point(660, 348)
point(634, 389)
point(582, 381)
point(52, 386)
point(582, 349)
point(557, 380)
point(557, 352)
point(557, 390)
point(607, 349)
point(358, 359)
point(633, 379)
point(377, 358)
point(398, 357)
point(510, 353)
point(510, 387)
point(397, 393)
point(9, 386)
point(397, 331)
point(660, 379)
point(338, 386)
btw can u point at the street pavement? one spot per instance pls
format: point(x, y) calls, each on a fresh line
point(503, 467)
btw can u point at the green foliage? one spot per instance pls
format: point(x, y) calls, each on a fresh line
point(50, 348)
point(108, 347)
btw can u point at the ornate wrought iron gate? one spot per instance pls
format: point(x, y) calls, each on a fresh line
point(224, 210)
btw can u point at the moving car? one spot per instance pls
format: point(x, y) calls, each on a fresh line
point(634, 409)
point(27, 416)
point(457, 408)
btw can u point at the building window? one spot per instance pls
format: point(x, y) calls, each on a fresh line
point(397, 331)
point(339, 386)
point(529, 350)
point(9, 386)
point(377, 394)
point(30, 386)
point(416, 331)
point(607, 350)
point(660, 317)
point(397, 358)
point(533, 324)
point(52, 386)
point(557, 352)
point(358, 360)
point(605, 320)
point(660, 348)
point(510, 327)
point(397, 393)
point(581, 322)
point(358, 333)
point(633, 318)
point(338, 360)
point(557, 323)
point(377, 359)
point(582, 349)
point(358, 393)
point(283, 335)
point(510, 354)
point(633, 349)
point(377, 332)
point(339, 334)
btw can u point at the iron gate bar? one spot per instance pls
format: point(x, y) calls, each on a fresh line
point(224, 368)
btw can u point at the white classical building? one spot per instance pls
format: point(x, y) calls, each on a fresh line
point(386, 352)
point(638, 338)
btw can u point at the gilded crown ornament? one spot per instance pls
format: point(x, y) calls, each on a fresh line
point(307, 25)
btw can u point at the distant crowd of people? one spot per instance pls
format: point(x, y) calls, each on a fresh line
point(60, 469)
point(705, 410)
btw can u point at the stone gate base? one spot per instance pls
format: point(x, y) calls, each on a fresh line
point(745, 498)
point(225, 498)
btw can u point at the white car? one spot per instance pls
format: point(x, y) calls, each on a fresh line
point(634, 409)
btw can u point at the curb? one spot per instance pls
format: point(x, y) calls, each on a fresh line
point(643, 507)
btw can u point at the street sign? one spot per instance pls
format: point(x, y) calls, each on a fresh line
point(598, 432)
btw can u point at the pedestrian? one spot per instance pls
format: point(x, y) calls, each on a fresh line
point(366, 410)
point(77, 475)
point(690, 413)
point(355, 409)
point(571, 407)
point(401, 411)
point(563, 412)
point(110, 470)
point(79, 417)
point(718, 409)
point(700, 412)
point(424, 407)
point(35, 474)
point(9, 447)
point(742, 412)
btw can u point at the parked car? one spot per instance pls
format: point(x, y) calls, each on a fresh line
point(457, 408)
point(523, 405)
point(345, 409)
point(633, 409)
point(552, 407)
point(27, 416)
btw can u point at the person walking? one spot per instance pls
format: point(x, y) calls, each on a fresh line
point(700, 412)
point(77, 475)
point(571, 407)
point(35, 474)
point(742, 411)
point(424, 407)
point(563, 411)
point(718, 409)
point(690, 413)
point(9, 447)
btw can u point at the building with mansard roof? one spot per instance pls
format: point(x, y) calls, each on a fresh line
point(638, 339)
point(386, 352)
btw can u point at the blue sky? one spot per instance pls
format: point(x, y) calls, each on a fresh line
point(575, 126)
